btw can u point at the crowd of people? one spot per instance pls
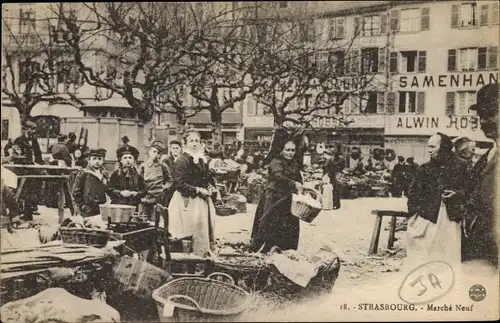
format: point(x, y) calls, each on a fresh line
point(181, 179)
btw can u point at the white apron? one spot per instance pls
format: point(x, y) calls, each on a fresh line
point(192, 217)
point(426, 241)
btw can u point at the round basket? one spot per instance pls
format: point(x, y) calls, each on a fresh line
point(250, 277)
point(200, 300)
point(116, 213)
point(305, 211)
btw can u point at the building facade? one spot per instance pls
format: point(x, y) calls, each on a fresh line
point(429, 57)
point(433, 56)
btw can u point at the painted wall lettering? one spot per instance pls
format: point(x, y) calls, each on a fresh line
point(448, 80)
point(422, 122)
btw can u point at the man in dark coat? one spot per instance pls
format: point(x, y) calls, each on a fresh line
point(399, 177)
point(28, 152)
point(89, 189)
point(480, 240)
point(71, 143)
point(331, 168)
point(444, 172)
point(60, 151)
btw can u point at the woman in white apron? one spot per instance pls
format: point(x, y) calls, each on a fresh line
point(191, 210)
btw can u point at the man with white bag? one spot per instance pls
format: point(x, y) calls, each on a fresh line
point(434, 229)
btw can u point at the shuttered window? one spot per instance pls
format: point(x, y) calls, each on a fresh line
point(393, 64)
point(425, 19)
point(483, 18)
point(481, 58)
point(493, 57)
point(420, 102)
point(390, 106)
point(450, 103)
point(452, 60)
point(394, 24)
point(422, 64)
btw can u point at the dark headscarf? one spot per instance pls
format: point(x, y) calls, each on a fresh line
point(280, 138)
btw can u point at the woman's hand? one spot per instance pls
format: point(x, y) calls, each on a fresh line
point(298, 186)
point(203, 191)
point(125, 193)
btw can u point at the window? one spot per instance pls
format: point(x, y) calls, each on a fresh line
point(352, 61)
point(468, 14)
point(5, 129)
point(369, 103)
point(412, 61)
point(336, 60)
point(27, 20)
point(369, 57)
point(467, 59)
point(465, 15)
point(306, 31)
point(336, 28)
point(371, 25)
point(465, 100)
point(23, 71)
point(410, 20)
point(410, 102)
point(471, 59)
point(283, 4)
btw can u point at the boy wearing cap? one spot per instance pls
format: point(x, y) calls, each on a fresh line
point(89, 189)
point(126, 186)
point(157, 178)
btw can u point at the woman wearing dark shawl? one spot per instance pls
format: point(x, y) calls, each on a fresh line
point(274, 225)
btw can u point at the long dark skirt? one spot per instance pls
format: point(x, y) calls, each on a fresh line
point(273, 224)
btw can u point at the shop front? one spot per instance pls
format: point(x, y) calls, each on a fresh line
point(407, 135)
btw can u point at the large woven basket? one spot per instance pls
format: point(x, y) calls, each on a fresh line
point(305, 211)
point(250, 277)
point(87, 236)
point(200, 300)
point(117, 213)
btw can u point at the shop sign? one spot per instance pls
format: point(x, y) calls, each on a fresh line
point(461, 80)
point(424, 125)
point(356, 121)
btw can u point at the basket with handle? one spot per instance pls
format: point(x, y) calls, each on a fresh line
point(200, 299)
point(304, 211)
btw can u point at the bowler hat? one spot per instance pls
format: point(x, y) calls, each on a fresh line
point(29, 125)
point(487, 100)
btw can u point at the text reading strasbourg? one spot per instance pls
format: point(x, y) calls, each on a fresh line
point(386, 307)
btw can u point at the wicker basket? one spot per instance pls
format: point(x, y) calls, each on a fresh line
point(116, 213)
point(200, 300)
point(138, 277)
point(304, 211)
point(91, 237)
point(249, 277)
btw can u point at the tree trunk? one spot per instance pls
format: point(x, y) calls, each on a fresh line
point(149, 133)
point(181, 124)
point(216, 118)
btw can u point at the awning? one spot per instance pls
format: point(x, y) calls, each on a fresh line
point(109, 103)
point(58, 110)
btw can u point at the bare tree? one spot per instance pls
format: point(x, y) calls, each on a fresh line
point(145, 47)
point(35, 68)
point(304, 77)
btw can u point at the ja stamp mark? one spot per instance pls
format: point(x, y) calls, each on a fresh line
point(427, 283)
point(477, 293)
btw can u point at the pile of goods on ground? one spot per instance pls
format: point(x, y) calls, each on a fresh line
point(369, 184)
point(287, 275)
point(253, 185)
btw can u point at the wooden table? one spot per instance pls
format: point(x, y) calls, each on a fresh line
point(378, 224)
point(43, 173)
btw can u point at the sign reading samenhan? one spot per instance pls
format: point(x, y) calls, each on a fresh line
point(448, 80)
